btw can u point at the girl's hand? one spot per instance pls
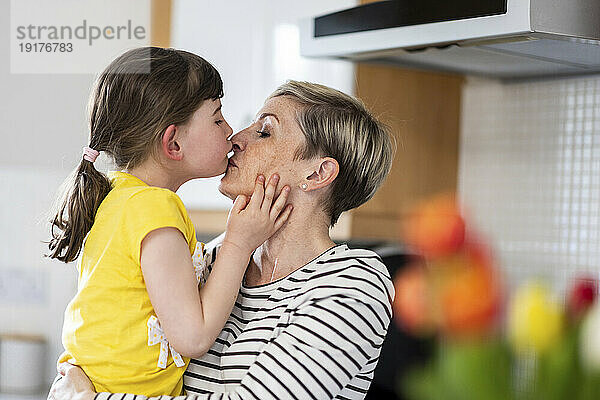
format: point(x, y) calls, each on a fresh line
point(73, 385)
point(252, 222)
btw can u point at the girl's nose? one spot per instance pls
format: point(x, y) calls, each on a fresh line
point(228, 131)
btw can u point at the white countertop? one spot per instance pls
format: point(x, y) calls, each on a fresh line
point(6, 396)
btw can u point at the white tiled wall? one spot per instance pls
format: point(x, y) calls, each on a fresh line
point(529, 174)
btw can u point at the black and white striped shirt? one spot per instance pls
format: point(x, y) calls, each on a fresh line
point(315, 334)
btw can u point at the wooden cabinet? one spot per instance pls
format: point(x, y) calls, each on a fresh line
point(423, 112)
point(160, 34)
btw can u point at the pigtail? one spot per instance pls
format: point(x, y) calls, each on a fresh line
point(83, 192)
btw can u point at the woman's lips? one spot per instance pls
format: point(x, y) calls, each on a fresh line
point(230, 163)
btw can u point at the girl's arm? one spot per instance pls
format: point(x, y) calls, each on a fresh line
point(192, 319)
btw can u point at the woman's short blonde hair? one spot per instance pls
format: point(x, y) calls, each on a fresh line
point(340, 126)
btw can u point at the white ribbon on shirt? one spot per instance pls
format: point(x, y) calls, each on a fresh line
point(200, 260)
point(156, 335)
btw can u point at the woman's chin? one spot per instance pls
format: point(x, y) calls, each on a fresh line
point(232, 189)
point(225, 191)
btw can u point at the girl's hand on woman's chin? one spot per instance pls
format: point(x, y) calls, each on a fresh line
point(73, 385)
point(252, 221)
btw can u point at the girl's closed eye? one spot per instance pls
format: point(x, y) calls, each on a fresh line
point(219, 121)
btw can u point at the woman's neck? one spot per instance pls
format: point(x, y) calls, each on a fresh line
point(299, 241)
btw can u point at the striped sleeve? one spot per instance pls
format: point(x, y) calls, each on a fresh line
point(324, 345)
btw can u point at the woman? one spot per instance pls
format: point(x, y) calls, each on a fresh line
point(310, 318)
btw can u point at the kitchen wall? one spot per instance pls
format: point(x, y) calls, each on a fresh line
point(529, 174)
point(42, 118)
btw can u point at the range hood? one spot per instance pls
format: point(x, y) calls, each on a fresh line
point(505, 39)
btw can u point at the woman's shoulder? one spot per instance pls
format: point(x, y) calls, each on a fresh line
point(341, 258)
point(352, 271)
point(340, 270)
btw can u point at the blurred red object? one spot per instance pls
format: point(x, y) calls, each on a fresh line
point(458, 291)
point(435, 228)
point(459, 295)
point(582, 296)
point(412, 302)
point(470, 295)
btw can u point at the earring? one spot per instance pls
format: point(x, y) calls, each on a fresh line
point(304, 186)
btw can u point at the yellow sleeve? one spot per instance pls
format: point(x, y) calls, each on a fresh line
point(151, 209)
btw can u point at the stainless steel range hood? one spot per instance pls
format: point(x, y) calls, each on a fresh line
point(506, 39)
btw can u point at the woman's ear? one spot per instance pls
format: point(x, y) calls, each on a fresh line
point(324, 173)
point(169, 143)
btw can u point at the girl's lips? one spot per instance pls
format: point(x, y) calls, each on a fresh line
point(230, 163)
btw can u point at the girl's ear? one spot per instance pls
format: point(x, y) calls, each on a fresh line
point(169, 145)
point(323, 174)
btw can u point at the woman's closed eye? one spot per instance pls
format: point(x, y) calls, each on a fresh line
point(219, 121)
point(263, 133)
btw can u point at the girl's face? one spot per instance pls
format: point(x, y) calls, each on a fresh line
point(204, 141)
point(265, 147)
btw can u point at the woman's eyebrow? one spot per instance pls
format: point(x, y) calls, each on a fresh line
point(264, 115)
point(218, 109)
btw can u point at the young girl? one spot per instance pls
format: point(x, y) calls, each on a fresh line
point(157, 113)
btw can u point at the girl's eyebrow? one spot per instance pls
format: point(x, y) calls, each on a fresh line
point(218, 109)
point(265, 115)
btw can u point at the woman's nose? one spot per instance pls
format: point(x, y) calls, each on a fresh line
point(236, 142)
point(239, 140)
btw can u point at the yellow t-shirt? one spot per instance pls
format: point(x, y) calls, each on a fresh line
point(105, 328)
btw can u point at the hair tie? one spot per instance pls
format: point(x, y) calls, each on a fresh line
point(90, 154)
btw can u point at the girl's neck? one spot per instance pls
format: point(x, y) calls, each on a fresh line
point(299, 241)
point(155, 175)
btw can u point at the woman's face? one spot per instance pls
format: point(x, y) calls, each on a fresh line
point(266, 147)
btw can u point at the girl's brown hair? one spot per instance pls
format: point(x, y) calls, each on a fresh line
point(134, 100)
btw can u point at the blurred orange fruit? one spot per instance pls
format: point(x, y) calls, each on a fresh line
point(435, 228)
point(470, 295)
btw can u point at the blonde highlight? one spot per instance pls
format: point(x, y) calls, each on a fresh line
point(340, 126)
